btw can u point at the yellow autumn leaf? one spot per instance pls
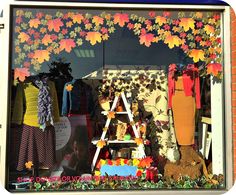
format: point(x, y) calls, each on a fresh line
point(155, 40)
point(34, 23)
point(176, 29)
point(136, 162)
point(195, 32)
point(46, 39)
point(218, 50)
point(212, 38)
point(102, 162)
point(77, 18)
point(160, 20)
point(69, 87)
point(97, 173)
point(29, 164)
point(211, 50)
point(41, 55)
point(187, 23)
point(97, 20)
point(94, 37)
point(160, 32)
point(209, 29)
point(101, 143)
point(199, 14)
point(23, 37)
point(105, 37)
point(138, 141)
point(111, 114)
point(172, 41)
point(212, 21)
point(197, 55)
point(203, 43)
point(122, 162)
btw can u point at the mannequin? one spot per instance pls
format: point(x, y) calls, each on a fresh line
point(36, 108)
point(184, 99)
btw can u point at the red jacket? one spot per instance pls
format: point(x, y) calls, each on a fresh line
point(191, 83)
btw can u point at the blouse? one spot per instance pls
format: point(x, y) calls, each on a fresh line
point(191, 83)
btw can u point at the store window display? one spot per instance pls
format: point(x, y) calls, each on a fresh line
point(124, 103)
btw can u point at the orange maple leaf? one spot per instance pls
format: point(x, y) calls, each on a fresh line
point(46, 39)
point(146, 39)
point(77, 18)
point(214, 68)
point(69, 87)
point(209, 29)
point(94, 37)
point(160, 20)
point(199, 14)
point(101, 143)
point(111, 114)
point(172, 41)
point(97, 20)
point(67, 44)
point(29, 164)
point(187, 23)
point(34, 23)
point(117, 162)
point(41, 55)
point(55, 24)
point(142, 128)
point(145, 162)
point(138, 141)
point(21, 73)
point(197, 54)
point(23, 37)
point(121, 19)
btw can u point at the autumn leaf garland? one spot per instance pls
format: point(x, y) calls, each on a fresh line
point(40, 35)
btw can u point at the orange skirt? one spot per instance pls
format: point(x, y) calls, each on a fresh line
point(184, 115)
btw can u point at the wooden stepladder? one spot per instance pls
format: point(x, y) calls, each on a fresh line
point(130, 116)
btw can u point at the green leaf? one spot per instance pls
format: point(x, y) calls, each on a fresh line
point(79, 42)
point(59, 14)
point(181, 14)
point(111, 29)
point(17, 42)
point(110, 23)
point(24, 26)
point(88, 16)
point(44, 22)
point(60, 36)
point(78, 29)
point(28, 14)
point(26, 47)
point(72, 34)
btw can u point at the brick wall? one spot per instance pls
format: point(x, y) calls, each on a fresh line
point(233, 54)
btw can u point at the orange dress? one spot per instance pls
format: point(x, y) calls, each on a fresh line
point(184, 108)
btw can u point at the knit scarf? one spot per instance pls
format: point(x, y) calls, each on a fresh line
point(44, 103)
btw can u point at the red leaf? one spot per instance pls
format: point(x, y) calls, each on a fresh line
point(146, 39)
point(121, 19)
point(214, 68)
point(55, 24)
point(21, 73)
point(67, 44)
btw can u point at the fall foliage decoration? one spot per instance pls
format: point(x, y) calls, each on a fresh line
point(39, 35)
point(101, 143)
point(69, 87)
point(29, 164)
point(138, 141)
point(111, 114)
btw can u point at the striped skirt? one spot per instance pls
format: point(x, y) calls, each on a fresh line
point(37, 146)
